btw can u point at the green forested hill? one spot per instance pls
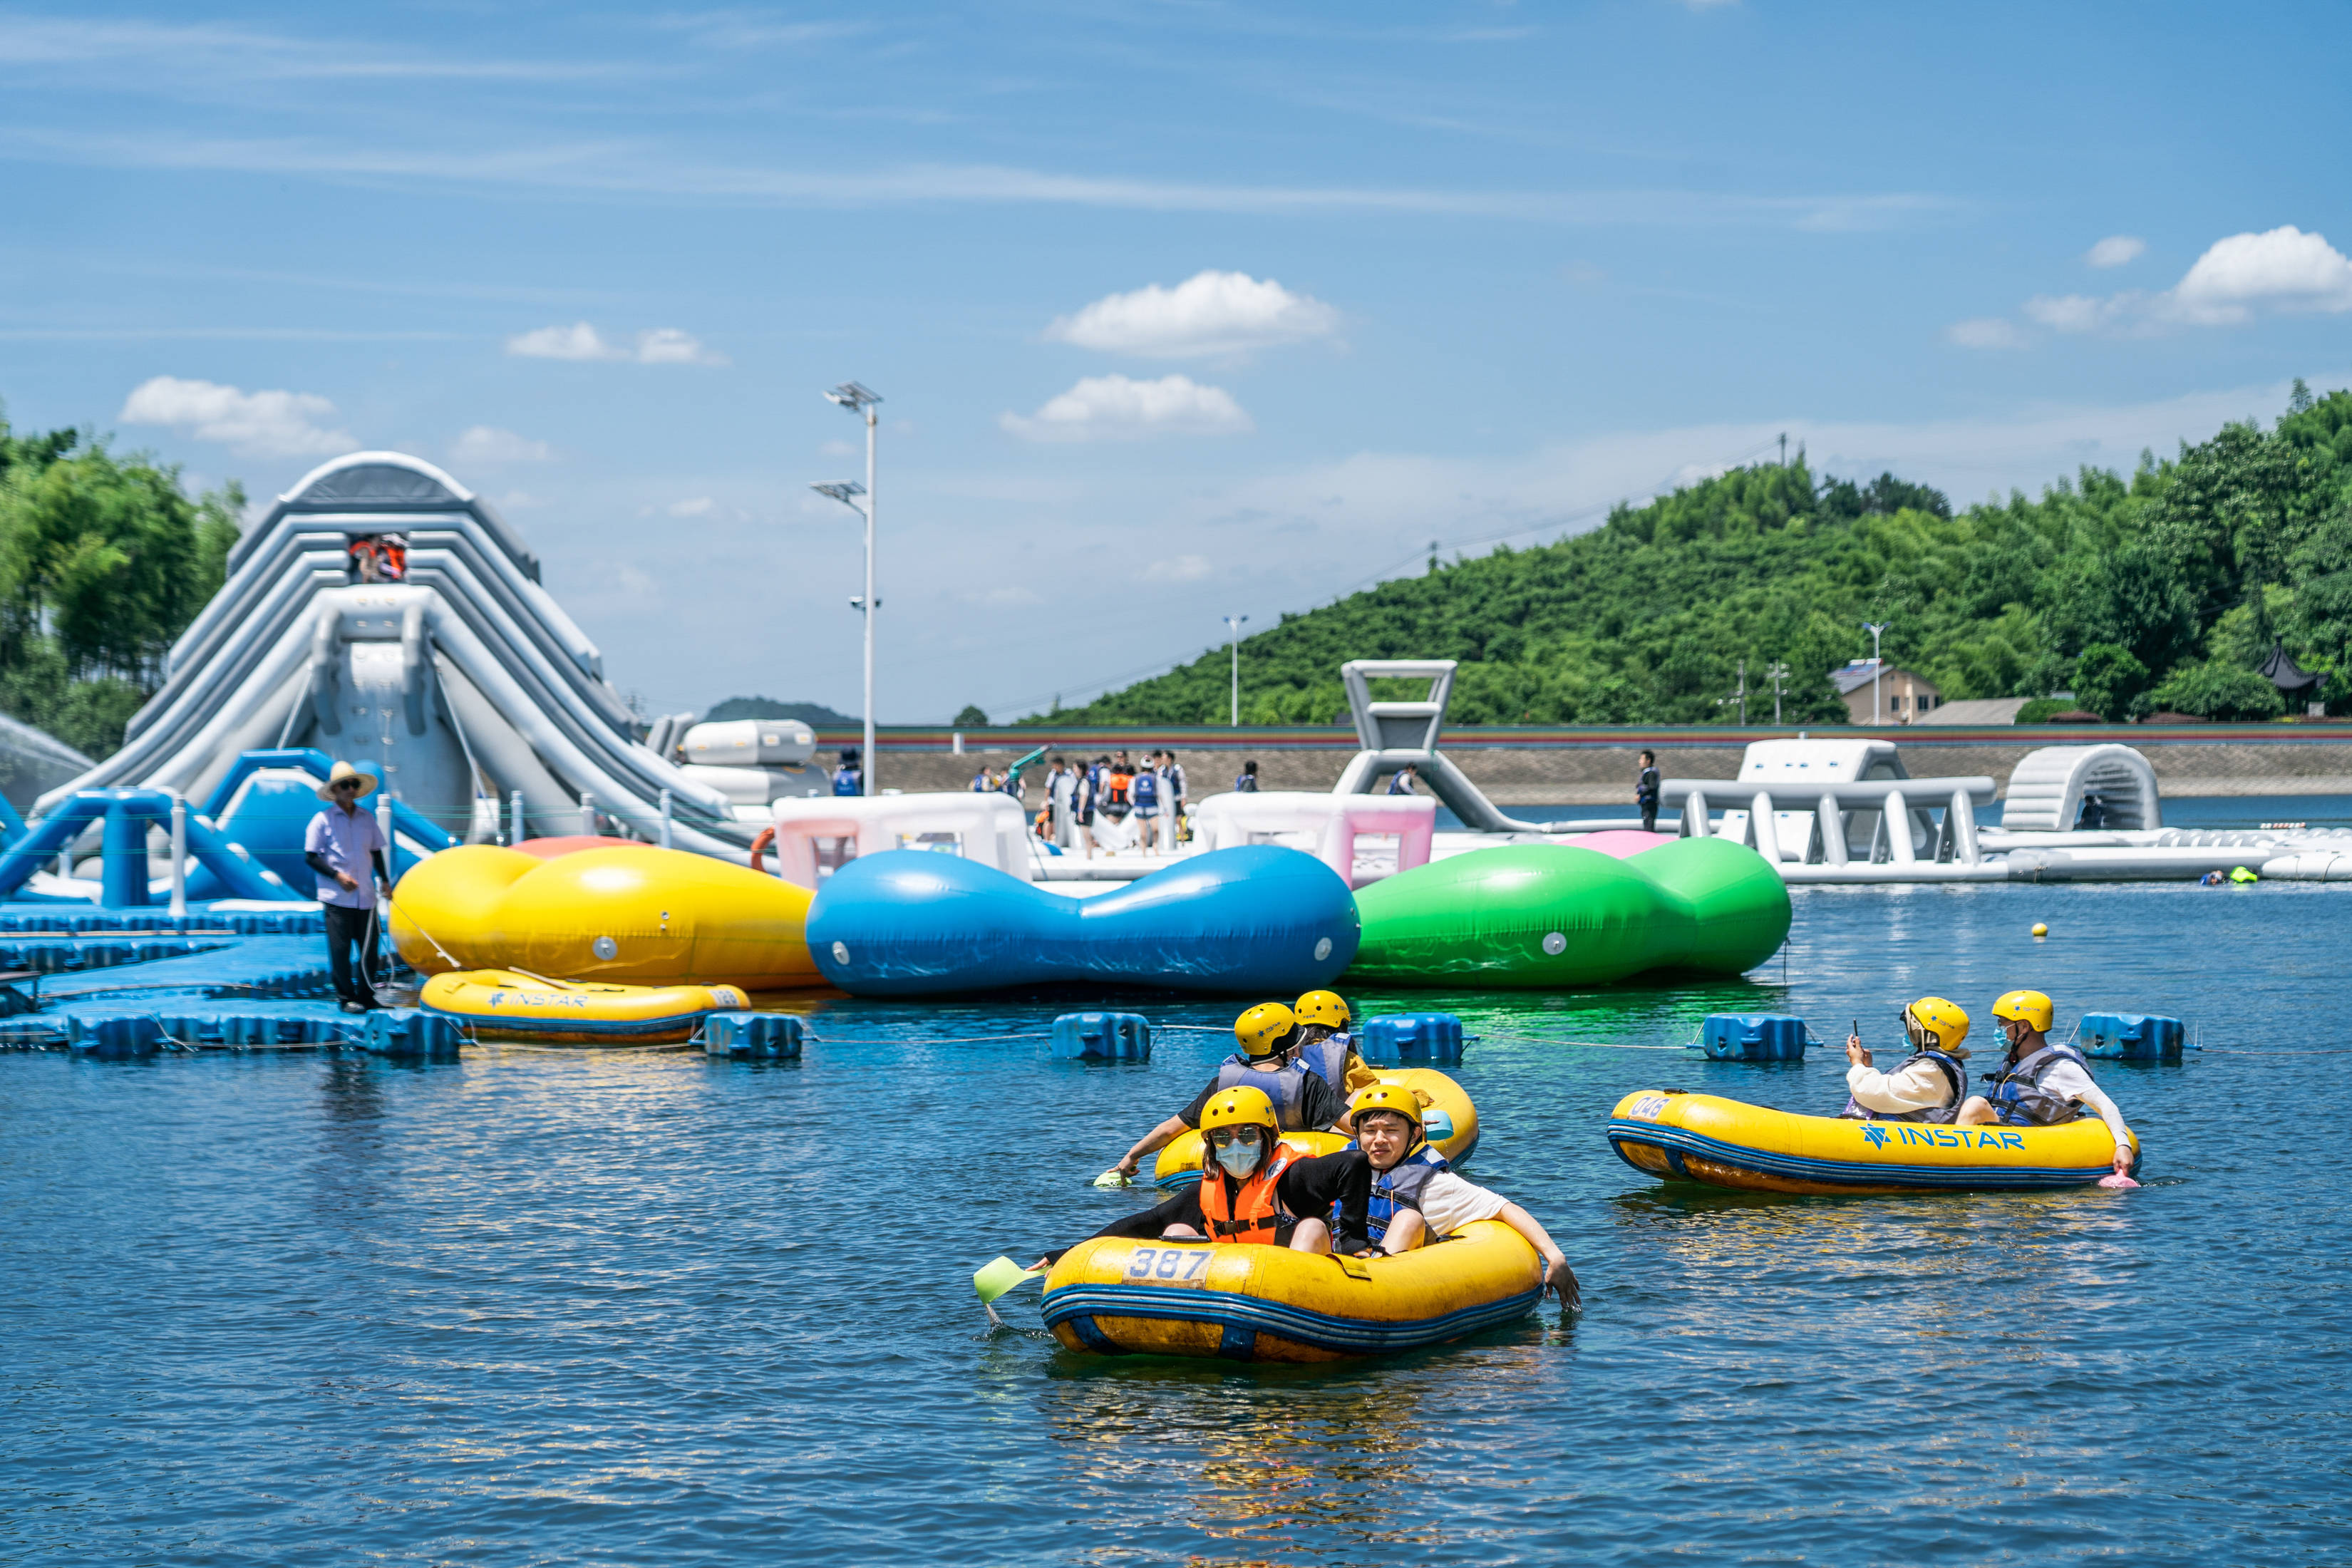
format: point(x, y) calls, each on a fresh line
point(2161, 591)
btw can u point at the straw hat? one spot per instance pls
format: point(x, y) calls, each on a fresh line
point(345, 771)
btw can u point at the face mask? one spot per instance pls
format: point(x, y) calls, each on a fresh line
point(1238, 1158)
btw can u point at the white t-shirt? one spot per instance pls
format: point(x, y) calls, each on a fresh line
point(1918, 1086)
point(2066, 1079)
point(1448, 1203)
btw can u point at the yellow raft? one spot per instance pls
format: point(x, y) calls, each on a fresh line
point(1449, 1118)
point(1242, 1302)
point(503, 1005)
point(1726, 1144)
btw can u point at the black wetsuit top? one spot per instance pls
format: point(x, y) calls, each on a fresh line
point(1310, 1186)
point(1319, 1104)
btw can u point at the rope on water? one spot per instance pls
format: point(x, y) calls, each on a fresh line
point(925, 1039)
point(1594, 1045)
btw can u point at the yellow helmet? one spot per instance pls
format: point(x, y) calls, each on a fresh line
point(1943, 1023)
point(1261, 1029)
point(1241, 1107)
point(1322, 1007)
point(1394, 1099)
point(2031, 1007)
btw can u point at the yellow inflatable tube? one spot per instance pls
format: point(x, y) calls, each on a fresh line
point(1727, 1143)
point(1448, 1117)
point(500, 1004)
point(1112, 1295)
point(639, 915)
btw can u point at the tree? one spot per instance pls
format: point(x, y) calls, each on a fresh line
point(2216, 690)
point(2107, 679)
point(103, 563)
point(971, 718)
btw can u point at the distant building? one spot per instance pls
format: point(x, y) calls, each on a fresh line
point(1902, 696)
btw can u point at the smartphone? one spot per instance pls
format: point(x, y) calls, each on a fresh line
point(1858, 1028)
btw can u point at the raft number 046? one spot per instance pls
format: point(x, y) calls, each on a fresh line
point(1164, 1262)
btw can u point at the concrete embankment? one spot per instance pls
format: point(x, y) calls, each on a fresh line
point(1532, 765)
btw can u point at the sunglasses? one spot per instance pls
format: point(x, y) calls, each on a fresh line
point(346, 783)
point(1224, 1136)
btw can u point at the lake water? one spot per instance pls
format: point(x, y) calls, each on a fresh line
point(540, 1308)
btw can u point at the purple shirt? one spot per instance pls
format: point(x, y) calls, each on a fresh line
point(346, 839)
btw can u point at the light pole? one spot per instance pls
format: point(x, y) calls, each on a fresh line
point(1233, 625)
point(1777, 673)
point(860, 400)
point(1877, 665)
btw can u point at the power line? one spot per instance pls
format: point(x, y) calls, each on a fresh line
point(1386, 573)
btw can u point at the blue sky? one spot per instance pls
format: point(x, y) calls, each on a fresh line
point(1179, 310)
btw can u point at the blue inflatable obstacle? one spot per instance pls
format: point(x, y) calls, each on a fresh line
point(265, 801)
point(125, 816)
point(910, 922)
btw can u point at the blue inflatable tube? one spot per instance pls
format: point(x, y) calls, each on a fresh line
point(911, 922)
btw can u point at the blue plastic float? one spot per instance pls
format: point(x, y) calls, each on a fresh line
point(907, 922)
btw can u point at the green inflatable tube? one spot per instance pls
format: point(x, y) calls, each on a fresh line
point(1545, 916)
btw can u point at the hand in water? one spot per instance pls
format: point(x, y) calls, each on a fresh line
point(1560, 1281)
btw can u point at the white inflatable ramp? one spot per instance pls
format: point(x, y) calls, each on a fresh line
point(462, 681)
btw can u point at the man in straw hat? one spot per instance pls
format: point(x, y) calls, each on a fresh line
point(345, 847)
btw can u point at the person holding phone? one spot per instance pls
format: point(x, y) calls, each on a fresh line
point(1928, 1085)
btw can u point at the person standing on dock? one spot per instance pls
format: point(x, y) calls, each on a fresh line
point(1645, 791)
point(346, 848)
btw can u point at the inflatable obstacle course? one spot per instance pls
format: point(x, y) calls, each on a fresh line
point(908, 922)
point(1556, 916)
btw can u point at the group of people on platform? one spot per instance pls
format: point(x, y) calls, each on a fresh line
point(1113, 802)
point(1388, 1192)
point(2038, 1084)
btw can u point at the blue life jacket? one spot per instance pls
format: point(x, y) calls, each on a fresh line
point(847, 780)
point(2018, 1097)
point(1146, 789)
point(1398, 1187)
point(1956, 1074)
point(1286, 1086)
point(1327, 1059)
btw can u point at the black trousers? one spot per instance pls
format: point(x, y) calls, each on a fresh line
point(347, 929)
point(1649, 817)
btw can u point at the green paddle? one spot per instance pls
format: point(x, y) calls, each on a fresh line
point(995, 1277)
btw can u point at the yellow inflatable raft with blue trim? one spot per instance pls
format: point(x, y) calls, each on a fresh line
point(1448, 1119)
point(510, 1004)
point(1116, 1296)
point(1727, 1143)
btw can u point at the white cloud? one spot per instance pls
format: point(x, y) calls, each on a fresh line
point(2115, 249)
point(578, 340)
point(668, 345)
point(2281, 271)
point(699, 506)
point(488, 443)
point(602, 167)
point(1178, 569)
point(582, 340)
point(839, 450)
point(1986, 332)
point(1208, 313)
point(1112, 407)
point(253, 424)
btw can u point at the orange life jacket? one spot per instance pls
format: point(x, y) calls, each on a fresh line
point(1249, 1213)
point(1118, 787)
